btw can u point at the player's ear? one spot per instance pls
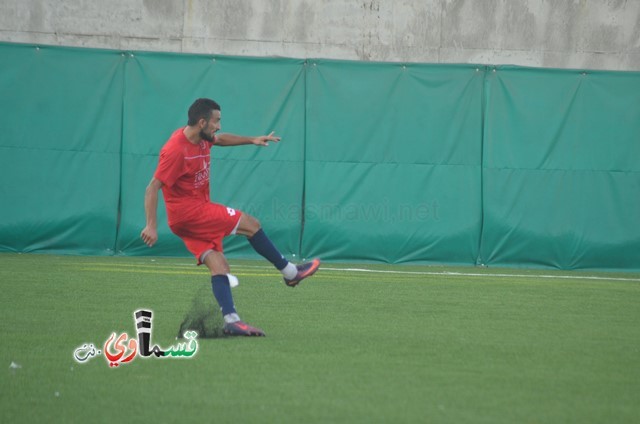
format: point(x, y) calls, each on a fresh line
point(202, 123)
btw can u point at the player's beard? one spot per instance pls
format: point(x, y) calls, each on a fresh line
point(205, 136)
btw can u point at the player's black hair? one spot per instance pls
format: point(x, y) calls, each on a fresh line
point(201, 109)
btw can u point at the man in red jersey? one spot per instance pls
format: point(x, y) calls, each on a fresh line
point(183, 176)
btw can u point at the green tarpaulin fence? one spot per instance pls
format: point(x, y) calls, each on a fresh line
point(458, 164)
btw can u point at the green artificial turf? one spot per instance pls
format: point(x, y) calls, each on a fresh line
point(411, 344)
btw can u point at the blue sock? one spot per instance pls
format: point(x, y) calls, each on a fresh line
point(222, 292)
point(261, 244)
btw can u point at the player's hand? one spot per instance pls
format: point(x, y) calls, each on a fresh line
point(264, 140)
point(149, 235)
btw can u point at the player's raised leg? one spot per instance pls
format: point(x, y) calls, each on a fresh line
point(293, 274)
point(220, 283)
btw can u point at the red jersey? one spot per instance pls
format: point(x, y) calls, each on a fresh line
point(183, 169)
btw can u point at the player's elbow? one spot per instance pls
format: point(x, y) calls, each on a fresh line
point(154, 186)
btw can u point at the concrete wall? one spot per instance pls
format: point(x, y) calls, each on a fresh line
point(594, 34)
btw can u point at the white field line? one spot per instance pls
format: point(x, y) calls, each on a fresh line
point(471, 274)
point(465, 274)
point(432, 273)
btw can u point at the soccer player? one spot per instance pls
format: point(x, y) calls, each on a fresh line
point(183, 176)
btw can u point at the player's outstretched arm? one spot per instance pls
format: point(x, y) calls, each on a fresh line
point(150, 232)
point(227, 139)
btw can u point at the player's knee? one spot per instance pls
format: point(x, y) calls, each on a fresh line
point(215, 261)
point(248, 226)
point(253, 225)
